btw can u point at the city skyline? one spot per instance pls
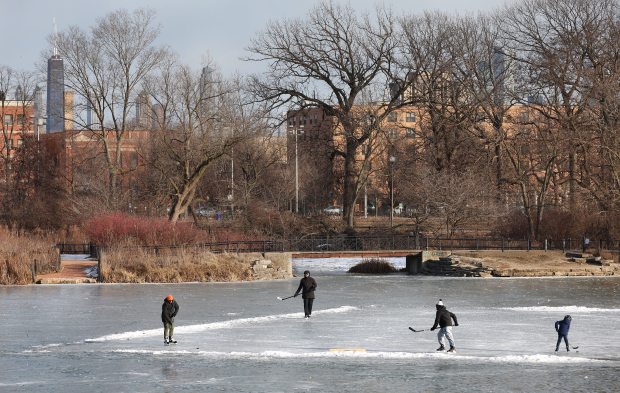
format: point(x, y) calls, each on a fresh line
point(196, 30)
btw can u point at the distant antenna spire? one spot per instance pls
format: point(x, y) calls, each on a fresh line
point(55, 36)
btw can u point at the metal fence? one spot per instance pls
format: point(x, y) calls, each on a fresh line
point(216, 248)
point(241, 246)
point(78, 248)
point(405, 242)
point(370, 243)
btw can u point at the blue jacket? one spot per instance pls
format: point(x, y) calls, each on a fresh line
point(562, 326)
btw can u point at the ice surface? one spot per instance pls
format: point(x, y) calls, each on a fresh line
point(565, 309)
point(192, 329)
point(237, 337)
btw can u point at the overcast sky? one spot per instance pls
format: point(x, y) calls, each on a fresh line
point(195, 29)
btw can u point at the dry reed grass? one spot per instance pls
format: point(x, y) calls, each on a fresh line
point(19, 253)
point(131, 264)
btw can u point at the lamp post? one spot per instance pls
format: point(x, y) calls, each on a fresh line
point(232, 181)
point(297, 131)
point(366, 154)
point(231, 196)
point(366, 199)
point(392, 162)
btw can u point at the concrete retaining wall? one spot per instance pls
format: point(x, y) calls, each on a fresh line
point(415, 261)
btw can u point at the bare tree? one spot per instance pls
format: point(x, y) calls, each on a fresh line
point(546, 37)
point(488, 73)
point(17, 89)
point(599, 41)
point(458, 200)
point(342, 63)
point(105, 67)
point(446, 104)
point(201, 118)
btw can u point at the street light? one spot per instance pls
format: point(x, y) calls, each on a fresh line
point(297, 131)
point(366, 155)
point(232, 177)
point(392, 162)
point(231, 196)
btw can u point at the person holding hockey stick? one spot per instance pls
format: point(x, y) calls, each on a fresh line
point(444, 319)
point(307, 285)
point(169, 310)
point(562, 328)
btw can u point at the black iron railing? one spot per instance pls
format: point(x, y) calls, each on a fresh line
point(78, 248)
point(370, 243)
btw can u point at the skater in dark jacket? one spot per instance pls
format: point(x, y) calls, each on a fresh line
point(307, 285)
point(444, 318)
point(562, 328)
point(169, 310)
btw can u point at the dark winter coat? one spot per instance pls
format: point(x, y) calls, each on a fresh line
point(307, 285)
point(563, 326)
point(169, 310)
point(444, 318)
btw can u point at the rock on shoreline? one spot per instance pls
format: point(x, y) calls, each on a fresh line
point(519, 264)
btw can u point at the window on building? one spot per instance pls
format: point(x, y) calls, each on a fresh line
point(410, 117)
point(392, 117)
point(410, 132)
point(391, 133)
point(20, 119)
point(7, 120)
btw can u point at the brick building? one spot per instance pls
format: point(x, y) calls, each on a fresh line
point(15, 121)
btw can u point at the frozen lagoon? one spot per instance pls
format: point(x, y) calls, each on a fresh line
point(237, 337)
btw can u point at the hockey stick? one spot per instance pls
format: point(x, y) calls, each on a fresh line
point(284, 298)
point(415, 331)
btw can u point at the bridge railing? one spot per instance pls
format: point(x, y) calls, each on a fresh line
point(405, 242)
point(367, 243)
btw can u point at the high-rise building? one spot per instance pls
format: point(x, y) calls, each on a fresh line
point(68, 110)
point(89, 115)
point(144, 112)
point(158, 117)
point(55, 94)
point(37, 110)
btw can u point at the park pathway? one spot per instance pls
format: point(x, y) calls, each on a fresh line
point(74, 270)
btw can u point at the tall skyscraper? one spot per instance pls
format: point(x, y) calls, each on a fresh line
point(144, 113)
point(55, 94)
point(39, 116)
point(89, 115)
point(68, 110)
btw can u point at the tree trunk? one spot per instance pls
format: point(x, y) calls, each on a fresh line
point(349, 195)
point(527, 210)
point(499, 170)
point(572, 182)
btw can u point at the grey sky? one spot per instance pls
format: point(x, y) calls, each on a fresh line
point(195, 29)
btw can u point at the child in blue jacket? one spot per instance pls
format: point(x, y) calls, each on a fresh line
point(562, 328)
